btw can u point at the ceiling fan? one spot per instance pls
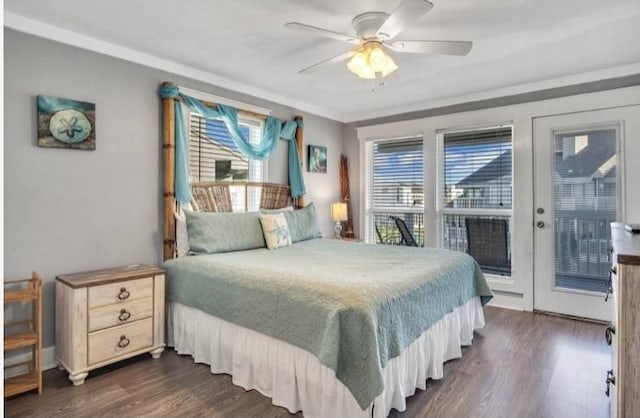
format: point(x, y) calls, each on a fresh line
point(375, 32)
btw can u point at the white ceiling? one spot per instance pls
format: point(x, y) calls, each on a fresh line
point(519, 45)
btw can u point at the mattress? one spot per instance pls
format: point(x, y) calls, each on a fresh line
point(353, 306)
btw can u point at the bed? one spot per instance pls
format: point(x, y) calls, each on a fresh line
point(327, 327)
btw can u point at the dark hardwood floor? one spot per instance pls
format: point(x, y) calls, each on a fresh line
point(520, 365)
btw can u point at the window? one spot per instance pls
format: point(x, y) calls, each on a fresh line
point(394, 187)
point(214, 156)
point(475, 195)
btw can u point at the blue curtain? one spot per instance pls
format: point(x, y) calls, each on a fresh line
point(274, 129)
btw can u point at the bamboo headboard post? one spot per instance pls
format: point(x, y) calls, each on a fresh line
point(169, 159)
point(299, 201)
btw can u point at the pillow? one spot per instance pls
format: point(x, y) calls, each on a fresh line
point(182, 237)
point(303, 223)
point(276, 230)
point(284, 209)
point(211, 233)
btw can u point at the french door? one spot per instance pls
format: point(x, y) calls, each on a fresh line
point(578, 192)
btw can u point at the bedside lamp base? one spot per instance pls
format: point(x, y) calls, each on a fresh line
point(338, 228)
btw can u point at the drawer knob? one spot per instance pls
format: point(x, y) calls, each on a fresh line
point(124, 293)
point(124, 315)
point(608, 333)
point(611, 380)
point(124, 341)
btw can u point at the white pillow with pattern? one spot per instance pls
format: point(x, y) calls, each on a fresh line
point(275, 230)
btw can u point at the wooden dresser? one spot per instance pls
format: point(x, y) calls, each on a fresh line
point(623, 380)
point(108, 315)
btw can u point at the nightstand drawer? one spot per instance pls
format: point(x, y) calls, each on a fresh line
point(115, 342)
point(121, 313)
point(120, 292)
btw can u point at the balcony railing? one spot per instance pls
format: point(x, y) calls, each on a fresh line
point(582, 251)
point(385, 231)
point(596, 204)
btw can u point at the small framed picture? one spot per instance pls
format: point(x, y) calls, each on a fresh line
point(66, 123)
point(317, 159)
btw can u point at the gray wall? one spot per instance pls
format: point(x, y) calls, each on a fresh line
point(68, 210)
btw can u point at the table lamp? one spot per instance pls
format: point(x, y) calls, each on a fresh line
point(338, 214)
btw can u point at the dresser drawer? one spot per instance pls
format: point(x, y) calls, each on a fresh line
point(117, 341)
point(120, 292)
point(122, 313)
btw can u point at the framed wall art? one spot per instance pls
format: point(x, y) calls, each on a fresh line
point(317, 159)
point(65, 123)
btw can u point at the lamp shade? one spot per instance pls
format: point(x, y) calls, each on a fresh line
point(339, 212)
point(370, 62)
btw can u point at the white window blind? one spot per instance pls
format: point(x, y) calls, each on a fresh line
point(477, 169)
point(475, 195)
point(585, 205)
point(214, 156)
point(394, 188)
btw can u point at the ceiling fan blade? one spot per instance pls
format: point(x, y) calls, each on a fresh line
point(329, 61)
point(323, 32)
point(432, 47)
point(406, 13)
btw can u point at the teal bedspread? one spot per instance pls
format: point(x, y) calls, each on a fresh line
point(354, 306)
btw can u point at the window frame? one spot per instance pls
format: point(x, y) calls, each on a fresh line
point(441, 210)
point(369, 209)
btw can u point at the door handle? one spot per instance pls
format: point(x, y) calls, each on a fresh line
point(540, 224)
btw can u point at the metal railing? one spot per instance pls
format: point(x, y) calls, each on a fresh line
point(582, 250)
point(385, 231)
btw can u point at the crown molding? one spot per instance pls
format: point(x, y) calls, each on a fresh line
point(588, 77)
point(65, 36)
point(58, 34)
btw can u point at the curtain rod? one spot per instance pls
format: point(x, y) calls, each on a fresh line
point(241, 106)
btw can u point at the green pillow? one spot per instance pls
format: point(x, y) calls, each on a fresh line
point(211, 233)
point(303, 223)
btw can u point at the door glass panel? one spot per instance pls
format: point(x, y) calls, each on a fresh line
point(585, 205)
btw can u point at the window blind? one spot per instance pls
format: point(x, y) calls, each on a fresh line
point(585, 203)
point(213, 156)
point(394, 189)
point(478, 169)
point(397, 174)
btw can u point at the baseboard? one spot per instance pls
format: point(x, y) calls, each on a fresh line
point(507, 300)
point(48, 362)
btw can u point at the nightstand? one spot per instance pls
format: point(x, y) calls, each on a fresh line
point(105, 316)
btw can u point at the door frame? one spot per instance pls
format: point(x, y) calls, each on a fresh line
point(613, 117)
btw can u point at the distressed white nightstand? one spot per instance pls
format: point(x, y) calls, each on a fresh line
point(105, 316)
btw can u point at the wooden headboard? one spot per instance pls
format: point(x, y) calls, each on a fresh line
point(216, 196)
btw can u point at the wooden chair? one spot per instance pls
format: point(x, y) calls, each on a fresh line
point(487, 242)
point(406, 237)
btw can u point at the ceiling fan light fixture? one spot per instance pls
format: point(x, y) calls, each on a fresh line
point(371, 62)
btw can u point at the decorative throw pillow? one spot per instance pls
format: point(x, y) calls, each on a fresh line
point(276, 230)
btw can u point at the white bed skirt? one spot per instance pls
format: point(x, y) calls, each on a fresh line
point(294, 378)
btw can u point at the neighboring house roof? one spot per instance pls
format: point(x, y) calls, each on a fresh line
point(217, 130)
point(594, 160)
point(494, 169)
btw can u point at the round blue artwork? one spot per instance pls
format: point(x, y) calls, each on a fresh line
point(70, 126)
